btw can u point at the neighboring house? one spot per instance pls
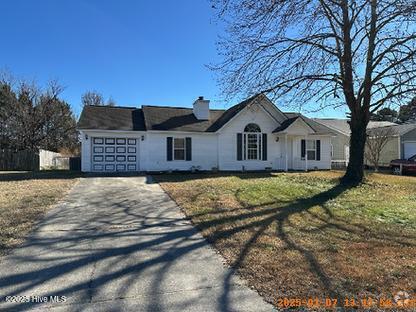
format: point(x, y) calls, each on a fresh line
point(252, 135)
point(402, 143)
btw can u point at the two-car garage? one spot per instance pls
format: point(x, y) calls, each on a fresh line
point(111, 154)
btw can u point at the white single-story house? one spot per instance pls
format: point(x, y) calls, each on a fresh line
point(252, 135)
point(401, 145)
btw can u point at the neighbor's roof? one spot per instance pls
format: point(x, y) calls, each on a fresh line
point(395, 129)
point(111, 118)
point(342, 125)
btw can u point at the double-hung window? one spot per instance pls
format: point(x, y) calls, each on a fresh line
point(179, 149)
point(311, 149)
point(252, 142)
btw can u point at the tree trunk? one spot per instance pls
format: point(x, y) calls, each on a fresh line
point(355, 170)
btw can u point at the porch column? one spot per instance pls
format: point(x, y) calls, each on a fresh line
point(306, 153)
point(286, 164)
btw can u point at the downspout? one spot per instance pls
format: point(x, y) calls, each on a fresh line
point(400, 147)
point(286, 164)
point(306, 153)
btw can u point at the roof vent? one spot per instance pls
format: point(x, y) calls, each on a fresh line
point(201, 108)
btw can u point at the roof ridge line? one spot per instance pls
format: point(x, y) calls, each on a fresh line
point(109, 106)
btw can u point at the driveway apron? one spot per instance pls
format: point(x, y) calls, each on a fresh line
point(120, 244)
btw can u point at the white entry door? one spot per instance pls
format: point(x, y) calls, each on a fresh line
point(114, 154)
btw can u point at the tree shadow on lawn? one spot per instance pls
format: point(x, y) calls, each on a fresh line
point(268, 216)
point(93, 243)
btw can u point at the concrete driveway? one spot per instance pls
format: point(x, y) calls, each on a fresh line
point(120, 244)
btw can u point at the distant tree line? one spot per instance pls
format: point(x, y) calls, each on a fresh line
point(405, 114)
point(33, 118)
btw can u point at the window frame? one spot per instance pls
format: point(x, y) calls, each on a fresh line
point(308, 149)
point(248, 151)
point(174, 148)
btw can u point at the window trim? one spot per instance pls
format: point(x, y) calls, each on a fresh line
point(182, 148)
point(259, 147)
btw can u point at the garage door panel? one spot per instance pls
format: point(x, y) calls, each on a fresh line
point(131, 167)
point(97, 167)
point(98, 158)
point(114, 154)
point(121, 167)
point(120, 158)
point(109, 167)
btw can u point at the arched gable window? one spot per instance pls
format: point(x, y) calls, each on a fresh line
point(253, 143)
point(252, 127)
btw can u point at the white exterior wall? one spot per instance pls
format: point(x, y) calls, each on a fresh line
point(227, 141)
point(204, 151)
point(219, 150)
point(324, 163)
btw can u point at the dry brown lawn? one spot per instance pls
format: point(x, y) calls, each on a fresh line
point(24, 198)
point(302, 235)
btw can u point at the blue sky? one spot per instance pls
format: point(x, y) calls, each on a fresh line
point(138, 52)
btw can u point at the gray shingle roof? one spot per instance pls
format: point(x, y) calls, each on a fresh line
point(317, 127)
point(172, 118)
point(396, 129)
point(178, 119)
point(111, 118)
point(156, 118)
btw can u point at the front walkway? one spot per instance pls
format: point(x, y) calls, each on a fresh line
point(116, 244)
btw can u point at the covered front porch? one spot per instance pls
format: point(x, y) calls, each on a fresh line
point(302, 147)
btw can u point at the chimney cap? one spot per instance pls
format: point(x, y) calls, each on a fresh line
point(201, 98)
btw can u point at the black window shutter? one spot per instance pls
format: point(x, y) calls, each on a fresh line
point(188, 146)
point(302, 148)
point(318, 149)
point(169, 148)
point(239, 146)
point(264, 146)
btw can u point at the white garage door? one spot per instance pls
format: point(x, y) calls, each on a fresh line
point(409, 149)
point(114, 154)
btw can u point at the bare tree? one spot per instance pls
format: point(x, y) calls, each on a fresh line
point(376, 141)
point(322, 52)
point(33, 118)
point(92, 98)
point(111, 101)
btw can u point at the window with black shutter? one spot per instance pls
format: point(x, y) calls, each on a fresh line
point(169, 148)
point(188, 145)
point(252, 144)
